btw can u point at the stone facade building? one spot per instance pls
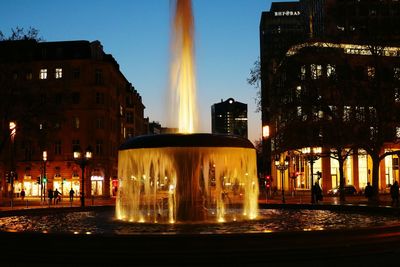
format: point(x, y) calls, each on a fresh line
point(63, 96)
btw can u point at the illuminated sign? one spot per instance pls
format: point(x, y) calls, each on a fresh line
point(96, 178)
point(286, 13)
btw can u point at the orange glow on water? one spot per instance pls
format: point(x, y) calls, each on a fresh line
point(182, 72)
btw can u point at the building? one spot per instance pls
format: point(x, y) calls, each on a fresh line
point(63, 97)
point(229, 117)
point(335, 88)
point(280, 28)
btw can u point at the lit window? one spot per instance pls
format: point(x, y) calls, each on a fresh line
point(371, 72)
point(397, 132)
point(330, 70)
point(303, 72)
point(43, 74)
point(299, 112)
point(397, 73)
point(316, 71)
point(58, 73)
point(360, 113)
point(298, 91)
point(397, 95)
point(346, 113)
point(372, 132)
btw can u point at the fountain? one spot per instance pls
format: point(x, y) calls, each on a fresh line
point(186, 176)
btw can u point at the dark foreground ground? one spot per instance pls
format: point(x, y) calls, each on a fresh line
point(378, 246)
point(360, 247)
point(371, 247)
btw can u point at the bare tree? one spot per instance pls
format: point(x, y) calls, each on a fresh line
point(19, 33)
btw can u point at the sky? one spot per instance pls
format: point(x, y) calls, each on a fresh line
point(137, 34)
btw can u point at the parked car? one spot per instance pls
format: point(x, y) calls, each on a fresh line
point(348, 190)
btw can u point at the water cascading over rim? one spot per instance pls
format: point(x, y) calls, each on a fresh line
point(186, 177)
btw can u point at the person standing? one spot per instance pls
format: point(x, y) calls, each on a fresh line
point(368, 191)
point(71, 195)
point(394, 193)
point(57, 196)
point(50, 196)
point(317, 191)
point(22, 194)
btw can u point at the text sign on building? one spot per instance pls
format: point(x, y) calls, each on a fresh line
point(286, 13)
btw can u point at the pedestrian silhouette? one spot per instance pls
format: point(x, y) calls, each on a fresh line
point(22, 194)
point(394, 193)
point(50, 196)
point(368, 191)
point(57, 196)
point(71, 195)
point(317, 191)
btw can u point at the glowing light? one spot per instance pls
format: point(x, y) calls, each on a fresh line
point(265, 131)
point(183, 78)
point(88, 233)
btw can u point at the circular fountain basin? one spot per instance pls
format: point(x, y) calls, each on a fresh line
point(186, 177)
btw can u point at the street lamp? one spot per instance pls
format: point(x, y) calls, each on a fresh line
point(82, 161)
point(265, 172)
point(13, 131)
point(282, 166)
point(44, 179)
point(311, 155)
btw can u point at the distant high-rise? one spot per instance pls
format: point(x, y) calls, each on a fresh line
point(229, 117)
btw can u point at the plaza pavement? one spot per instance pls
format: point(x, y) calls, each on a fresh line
point(300, 198)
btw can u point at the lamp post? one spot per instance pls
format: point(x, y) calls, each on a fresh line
point(13, 131)
point(82, 161)
point(311, 155)
point(265, 135)
point(44, 178)
point(282, 166)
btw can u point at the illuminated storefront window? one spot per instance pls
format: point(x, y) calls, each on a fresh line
point(97, 185)
point(362, 169)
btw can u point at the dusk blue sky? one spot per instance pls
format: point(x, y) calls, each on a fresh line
point(137, 34)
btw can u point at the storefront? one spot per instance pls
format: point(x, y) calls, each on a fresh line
point(32, 188)
point(97, 184)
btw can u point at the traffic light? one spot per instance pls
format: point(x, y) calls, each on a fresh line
point(268, 181)
point(38, 180)
point(8, 178)
point(44, 180)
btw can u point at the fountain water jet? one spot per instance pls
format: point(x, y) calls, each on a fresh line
point(186, 177)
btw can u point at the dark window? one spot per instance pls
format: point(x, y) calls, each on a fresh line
point(98, 77)
point(57, 147)
point(99, 123)
point(129, 117)
point(99, 147)
point(75, 145)
point(58, 99)
point(76, 74)
point(76, 98)
point(99, 98)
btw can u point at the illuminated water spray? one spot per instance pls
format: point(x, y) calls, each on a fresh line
point(187, 176)
point(182, 72)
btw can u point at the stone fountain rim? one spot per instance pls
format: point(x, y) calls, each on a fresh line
point(186, 140)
